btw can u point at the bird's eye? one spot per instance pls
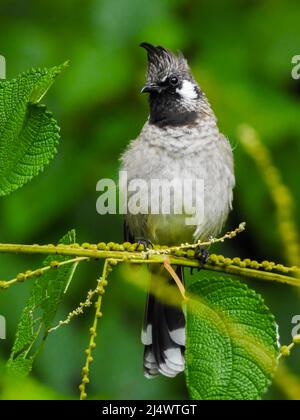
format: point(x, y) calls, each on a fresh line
point(173, 80)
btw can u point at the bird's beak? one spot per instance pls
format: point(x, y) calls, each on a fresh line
point(150, 88)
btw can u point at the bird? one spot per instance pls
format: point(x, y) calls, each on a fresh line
point(180, 140)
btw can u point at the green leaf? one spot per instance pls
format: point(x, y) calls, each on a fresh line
point(37, 317)
point(28, 132)
point(232, 345)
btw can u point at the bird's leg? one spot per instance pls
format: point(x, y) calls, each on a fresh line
point(145, 242)
point(202, 255)
point(175, 277)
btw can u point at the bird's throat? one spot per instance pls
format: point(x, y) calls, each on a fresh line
point(169, 110)
point(173, 118)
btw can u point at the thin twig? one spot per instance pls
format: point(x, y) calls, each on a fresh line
point(102, 282)
point(21, 277)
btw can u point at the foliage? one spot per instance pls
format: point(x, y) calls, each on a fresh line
point(231, 341)
point(231, 334)
point(29, 134)
point(223, 317)
point(245, 72)
point(40, 310)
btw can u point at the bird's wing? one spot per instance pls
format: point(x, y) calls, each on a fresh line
point(228, 159)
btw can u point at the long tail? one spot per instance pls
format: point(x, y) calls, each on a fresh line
point(163, 336)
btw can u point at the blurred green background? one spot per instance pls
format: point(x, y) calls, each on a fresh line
point(240, 52)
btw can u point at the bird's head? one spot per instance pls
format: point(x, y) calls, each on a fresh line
point(173, 93)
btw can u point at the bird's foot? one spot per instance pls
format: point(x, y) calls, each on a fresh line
point(202, 255)
point(147, 244)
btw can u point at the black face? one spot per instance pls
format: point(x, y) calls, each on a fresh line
point(166, 104)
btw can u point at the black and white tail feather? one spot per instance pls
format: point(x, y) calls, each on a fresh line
point(163, 336)
point(163, 333)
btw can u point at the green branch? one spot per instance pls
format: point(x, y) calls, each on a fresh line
point(132, 253)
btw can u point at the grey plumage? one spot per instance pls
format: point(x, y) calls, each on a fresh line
point(179, 140)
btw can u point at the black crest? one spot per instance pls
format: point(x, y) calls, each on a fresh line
point(163, 62)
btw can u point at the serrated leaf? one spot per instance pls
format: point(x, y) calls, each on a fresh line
point(232, 348)
point(39, 312)
point(28, 132)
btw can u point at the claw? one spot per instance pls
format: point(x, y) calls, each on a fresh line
point(145, 242)
point(202, 255)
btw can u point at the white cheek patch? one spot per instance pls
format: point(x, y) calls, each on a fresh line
point(187, 90)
